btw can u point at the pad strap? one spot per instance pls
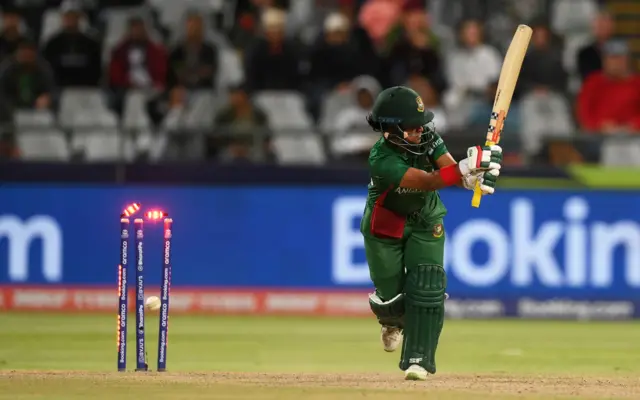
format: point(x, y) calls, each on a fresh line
point(389, 313)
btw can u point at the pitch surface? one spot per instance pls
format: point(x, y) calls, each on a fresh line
point(45, 356)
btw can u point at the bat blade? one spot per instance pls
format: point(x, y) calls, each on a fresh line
point(509, 73)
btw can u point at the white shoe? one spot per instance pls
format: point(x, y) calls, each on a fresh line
point(415, 373)
point(391, 337)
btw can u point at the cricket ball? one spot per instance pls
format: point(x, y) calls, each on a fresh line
point(153, 303)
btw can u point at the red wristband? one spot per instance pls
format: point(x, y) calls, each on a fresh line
point(450, 175)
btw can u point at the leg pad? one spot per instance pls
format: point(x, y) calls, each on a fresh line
point(424, 315)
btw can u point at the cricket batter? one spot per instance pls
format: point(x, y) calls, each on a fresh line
point(403, 223)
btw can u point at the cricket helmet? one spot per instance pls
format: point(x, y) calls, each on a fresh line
point(399, 109)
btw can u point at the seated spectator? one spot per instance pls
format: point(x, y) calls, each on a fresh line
point(542, 69)
point(137, 62)
point(30, 12)
point(242, 131)
point(247, 17)
point(473, 67)
point(377, 18)
point(334, 61)
point(431, 100)
point(609, 101)
point(414, 24)
point(545, 115)
point(414, 49)
point(371, 60)
point(365, 89)
point(352, 136)
point(590, 56)
point(26, 82)
point(11, 35)
point(193, 63)
point(273, 61)
point(75, 56)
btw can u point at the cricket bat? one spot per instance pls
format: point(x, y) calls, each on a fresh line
point(506, 86)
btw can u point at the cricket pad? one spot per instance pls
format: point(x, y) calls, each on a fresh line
point(424, 316)
point(389, 313)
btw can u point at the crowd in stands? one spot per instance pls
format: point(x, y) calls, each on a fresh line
point(292, 81)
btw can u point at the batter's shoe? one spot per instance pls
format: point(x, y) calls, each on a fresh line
point(391, 337)
point(415, 373)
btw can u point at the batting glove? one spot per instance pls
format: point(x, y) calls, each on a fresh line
point(486, 179)
point(481, 159)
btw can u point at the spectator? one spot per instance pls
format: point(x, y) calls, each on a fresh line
point(11, 36)
point(414, 49)
point(247, 19)
point(26, 82)
point(473, 67)
point(243, 125)
point(75, 56)
point(542, 69)
point(353, 136)
point(137, 62)
point(254, 8)
point(370, 59)
point(334, 60)
point(414, 24)
point(31, 12)
point(377, 18)
point(273, 62)
point(609, 101)
point(590, 57)
point(430, 99)
point(365, 89)
point(193, 63)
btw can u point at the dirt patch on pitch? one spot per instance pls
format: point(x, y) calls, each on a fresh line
point(494, 384)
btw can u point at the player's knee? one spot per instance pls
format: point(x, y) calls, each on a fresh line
point(388, 287)
point(425, 285)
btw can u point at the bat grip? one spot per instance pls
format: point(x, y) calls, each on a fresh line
point(477, 196)
point(477, 192)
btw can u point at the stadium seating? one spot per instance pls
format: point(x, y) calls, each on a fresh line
point(38, 137)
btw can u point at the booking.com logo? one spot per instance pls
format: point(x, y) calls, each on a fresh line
point(573, 252)
point(20, 236)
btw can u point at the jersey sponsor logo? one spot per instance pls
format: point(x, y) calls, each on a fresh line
point(403, 190)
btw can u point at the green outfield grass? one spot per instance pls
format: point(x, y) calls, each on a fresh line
point(316, 358)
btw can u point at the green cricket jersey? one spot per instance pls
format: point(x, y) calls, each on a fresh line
point(388, 164)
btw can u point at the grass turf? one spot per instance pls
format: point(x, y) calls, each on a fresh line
point(290, 357)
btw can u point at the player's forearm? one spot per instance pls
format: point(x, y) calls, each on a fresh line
point(446, 160)
point(430, 181)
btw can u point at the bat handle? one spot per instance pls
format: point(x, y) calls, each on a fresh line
point(477, 196)
point(477, 192)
